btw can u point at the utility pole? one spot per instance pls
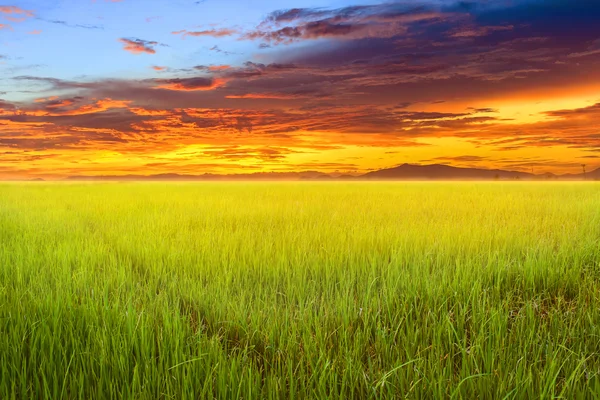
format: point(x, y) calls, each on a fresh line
point(584, 175)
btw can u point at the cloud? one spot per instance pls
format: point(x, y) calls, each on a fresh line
point(7, 106)
point(242, 153)
point(23, 67)
point(138, 46)
point(279, 96)
point(69, 25)
point(483, 110)
point(217, 49)
point(215, 33)
point(190, 84)
point(592, 111)
point(16, 10)
point(591, 50)
point(213, 68)
point(57, 106)
point(271, 134)
point(459, 159)
point(205, 99)
point(354, 22)
point(391, 77)
point(478, 31)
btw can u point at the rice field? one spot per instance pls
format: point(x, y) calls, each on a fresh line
point(299, 290)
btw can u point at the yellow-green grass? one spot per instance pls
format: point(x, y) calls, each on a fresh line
point(299, 290)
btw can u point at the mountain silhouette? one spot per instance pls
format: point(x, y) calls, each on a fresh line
point(443, 172)
point(593, 175)
point(401, 172)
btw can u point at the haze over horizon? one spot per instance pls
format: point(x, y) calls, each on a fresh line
point(118, 87)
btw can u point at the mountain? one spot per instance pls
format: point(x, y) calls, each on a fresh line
point(443, 172)
point(590, 176)
point(401, 172)
point(258, 176)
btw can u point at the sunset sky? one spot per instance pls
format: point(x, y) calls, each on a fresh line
point(111, 87)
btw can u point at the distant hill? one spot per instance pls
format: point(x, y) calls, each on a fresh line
point(305, 175)
point(590, 176)
point(443, 172)
point(401, 172)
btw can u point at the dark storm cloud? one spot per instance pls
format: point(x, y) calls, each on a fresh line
point(481, 40)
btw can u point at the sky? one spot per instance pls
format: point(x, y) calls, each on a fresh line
point(117, 87)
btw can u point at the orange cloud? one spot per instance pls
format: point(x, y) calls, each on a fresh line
point(138, 46)
point(149, 112)
point(54, 106)
point(35, 32)
point(279, 96)
point(192, 84)
point(15, 10)
point(216, 33)
point(158, 68)
point(61, 103)
point(98, 106)
point(9, 11)
point(216, 68)
point(42, 100)
point(196, 140)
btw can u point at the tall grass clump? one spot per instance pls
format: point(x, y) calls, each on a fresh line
point(299, 290)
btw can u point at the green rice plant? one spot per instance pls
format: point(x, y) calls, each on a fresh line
point(299, 290)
